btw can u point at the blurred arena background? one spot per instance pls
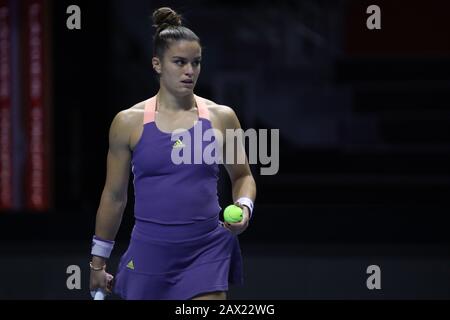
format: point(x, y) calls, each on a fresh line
point(364, 119)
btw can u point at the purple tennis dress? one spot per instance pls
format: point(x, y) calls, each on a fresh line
point(178, 248)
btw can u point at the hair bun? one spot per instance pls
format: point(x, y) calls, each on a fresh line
point(165, 17)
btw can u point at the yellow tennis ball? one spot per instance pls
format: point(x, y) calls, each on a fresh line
point(232, 214)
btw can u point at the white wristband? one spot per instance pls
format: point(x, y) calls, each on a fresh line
point(101, 247)
point(244, 201)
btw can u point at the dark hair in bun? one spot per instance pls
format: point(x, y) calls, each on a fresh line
point(165, 17)
point(169, 27)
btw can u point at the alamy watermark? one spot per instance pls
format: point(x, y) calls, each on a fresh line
point(374, 20)
point(374, 280)
point(74, 280)
point(74, 20)
point(198, 148)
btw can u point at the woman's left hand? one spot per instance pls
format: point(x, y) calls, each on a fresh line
point(239, 227)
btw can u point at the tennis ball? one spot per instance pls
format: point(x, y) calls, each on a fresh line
point(232, 213)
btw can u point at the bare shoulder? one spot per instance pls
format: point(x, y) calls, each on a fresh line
point(129, 117)
point(217, 108)
point(222, 113)
point(125, 121)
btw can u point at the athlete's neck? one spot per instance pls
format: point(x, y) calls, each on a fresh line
point(171, 103)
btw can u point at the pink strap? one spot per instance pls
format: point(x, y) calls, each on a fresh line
point(149, 111)
point(150, 105)
point(203, 111)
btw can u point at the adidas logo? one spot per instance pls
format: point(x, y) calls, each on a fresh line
point(178, 144)
point(130, 265)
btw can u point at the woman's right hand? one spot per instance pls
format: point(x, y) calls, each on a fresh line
point(100, 279)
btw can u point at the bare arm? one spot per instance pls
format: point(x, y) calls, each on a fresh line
point(114, 196)
point(243, 183)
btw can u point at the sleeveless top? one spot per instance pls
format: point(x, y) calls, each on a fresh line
point(169, 193)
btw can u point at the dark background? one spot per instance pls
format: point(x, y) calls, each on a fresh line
point(364, 142)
